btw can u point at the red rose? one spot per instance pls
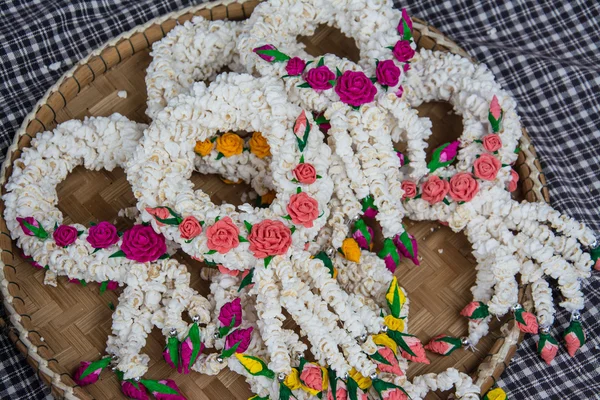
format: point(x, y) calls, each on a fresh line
point(463, 187)
point(303, 209)
point(305, 173)
point(492, 142)
point(223, 235)
point(435, 189)
point(269, 238)
point(486, 167)
point(189, 228)
point(410, 189)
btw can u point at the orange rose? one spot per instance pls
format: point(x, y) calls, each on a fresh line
point(230, 144)
point(259, 145)
point(203, 148)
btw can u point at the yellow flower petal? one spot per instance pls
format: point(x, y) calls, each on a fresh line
point(253, 366)
point(292, 381)
point(351, 250)
point(259, 145)
point(204, 147)
point(384, 340)
point(389, 296)
point(230, 144)
point(496, 394)
point(363, 382)
point(395, 324)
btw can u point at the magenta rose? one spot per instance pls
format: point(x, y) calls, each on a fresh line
point(305, 173)
point(295, 66)
point(269, 238)
point(168, 396)
point(355, 88)
point(229, 311)
point(264, 56)
point(387, 73)
point(319, 78)
point(142, 244)
point(102, 235)
point(134, 390)
point(243, 336)
point(65, 235)
point(31, 221)
point(403, 51)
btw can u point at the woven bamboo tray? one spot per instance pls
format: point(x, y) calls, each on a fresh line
point(58, 327)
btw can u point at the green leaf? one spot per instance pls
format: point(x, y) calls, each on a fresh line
point(111, 305)
point(293, 229)
point(332, 82)
point(279, 56)
point(302, 158)
point(38, 232)
point(156, 387)
point(164, 256)
point(338, 73)
point(217, 219)
point(287, 217)
point(319, 176)
point(194, 335)
point(321, 120)
point(242, 239)
point(398, 337)
point(103, 287)
point(321, 62)
point(79, 232)
point(119, 253)
point(298, 190)
point(98, 364)
point(210, 252)
point(407, 242)
point(220, 155)
point(517, 150)
point(229, 352)
point(304, 85)
point(373, 79)
point(352, 388)
point(168, 221)
point(268, 261)
point(285, 393)
point(224, 330)
point(406, 33)
point(379, 358)
point(247, 280)
point(173, 346)
point(446, 201)
point(248, 226)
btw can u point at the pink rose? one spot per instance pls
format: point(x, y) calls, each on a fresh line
point(435, 189)
point(486, 167)
point(269, 238)
point(355, 88)
point(549, 351)
point(160, 212)
point(410, 189)
point(319, 78)
point(312, 376)
point(223, 235)
point(492, 142)
point(303, 209)
point(243, 336)
point(463, 187)
point(134, 390)
point(142, 244)
point(341, 393)
point(387, 73)
point(65, 235)
point(572, 343)
point(394, 394)
point(305, 173)
point(530, 325)
point(189, 228)
point(403, 51)
point(514, 180)
point(229, 311)
point(102, 235)
point(392, 367)
point(416, 347)
point(295, 66)
point(164, 396)
point(264, 56)
point(31, 221)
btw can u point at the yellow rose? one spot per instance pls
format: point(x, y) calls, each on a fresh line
point(204, 147)
point(230, 144)
point(292, 381)
point(395, 324)
point(382, 339)
point(267, 198)
point(495, 394)
point(259, 146)
point(363, 382)
point(351, 250)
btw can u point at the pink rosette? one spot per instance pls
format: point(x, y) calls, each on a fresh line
point(189, 228)
point(410, 189)
point(403, 51)
point(403, 250)
point(492, 142)
point(229, 311)
point(65, 235)
point(134, 390)
point(355, 88)
point(102, 235)
point(486, 167)
point(223, 235)
point(547, 348)
point(312, 377)
point(463, 187)
point(142, 244)
point(241, 336)
point(434, 189)
point(416, 347)
point(295, 66)
point(364, 242)
point(269, 238)
point(112, 285)
point(475, 310)
point(305, 173)
point(303, 209)
point(320, 78)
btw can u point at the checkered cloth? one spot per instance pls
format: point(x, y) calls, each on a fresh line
point(544, 52)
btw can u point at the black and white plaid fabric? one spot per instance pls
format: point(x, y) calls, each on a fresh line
point(545, 52)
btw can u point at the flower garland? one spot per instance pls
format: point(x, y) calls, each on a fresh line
point(193, 51)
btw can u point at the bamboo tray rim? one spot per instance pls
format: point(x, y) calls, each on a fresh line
point(488, 370)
